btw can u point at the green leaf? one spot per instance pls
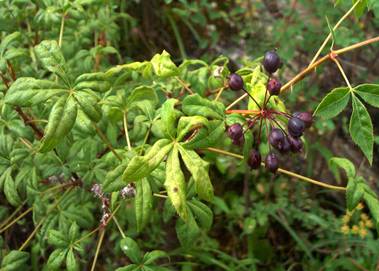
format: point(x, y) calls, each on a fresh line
point(202, 213)
point(175, 184)
point(369, 93)
point(94, 81)
point(71, 263)
point(7, 41)
point(10, 189)
point(361, 129)
point(187, 231)
point(190, 124)
point(163, 65)
point(143, 203)
point(360, 8)
point(333, 103)
point(169, 117)
point(27, 91)
point(141, 166)
point(345, 164)
point(152, 256)
point(129, 267)
point(61, 120)
point(207, 136)
point(199, 171)
point(131, 249)
point(373, 204)
point(88, 102)
point(51, 57)
point(354, 193)
point(142, 93)
point(195, 105)
point(56, 259)
point(113, 180)
point(57, 239)
point(15, 260)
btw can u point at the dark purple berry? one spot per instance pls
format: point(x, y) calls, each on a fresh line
point(239, 141)
point(255, 159)
point(235, 82)
point(235, 132)
point(272, 162)
point(296, 127)
point(276, 138)
point(286, 147)
point(306, 117)
point(271, 61)
point(296, 144)
point(274, 86)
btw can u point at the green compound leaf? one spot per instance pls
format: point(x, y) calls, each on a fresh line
point(195, 105)
point(143, 203)
point(27, 91)
point(15, 260)
point(199, 171)
point(61, 120)
point(141, 166)
point(333, 103)
point(369, 93)
point(175, 184)
point(361, 129)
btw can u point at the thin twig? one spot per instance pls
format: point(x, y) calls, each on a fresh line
point(287, 172)
point(126, 131)
point(98, 249)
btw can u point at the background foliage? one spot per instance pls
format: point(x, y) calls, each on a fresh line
point(65, 80)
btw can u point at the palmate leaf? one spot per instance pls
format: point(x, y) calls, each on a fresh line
point(169, 117)
point(361, 129)
point(88, 103)
point(131, 249)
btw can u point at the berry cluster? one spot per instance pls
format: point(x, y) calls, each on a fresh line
point(280, 139)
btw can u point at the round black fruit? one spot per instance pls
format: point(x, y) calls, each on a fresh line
point(271, 62)
point(295, 143)
point(255, 159)
point(276, 138)
point(274, 86)
point(272, 162)
point(235, 132)
point(235, 82)
point(296, 127)
point(306, 117)
point(286, 147)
